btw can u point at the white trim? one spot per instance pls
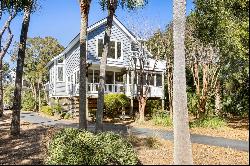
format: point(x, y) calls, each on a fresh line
point(57, 66)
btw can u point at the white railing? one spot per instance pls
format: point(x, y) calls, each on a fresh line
point(153, 91)
point(92, 88)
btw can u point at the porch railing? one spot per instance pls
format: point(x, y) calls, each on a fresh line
point(92, 88)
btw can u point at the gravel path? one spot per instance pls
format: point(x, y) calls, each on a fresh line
point(34, 118)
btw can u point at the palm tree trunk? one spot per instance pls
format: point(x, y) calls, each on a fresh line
point(84, 7)
point(1, 88)
point(15, 123)
point(100, 101)
point(182, 142)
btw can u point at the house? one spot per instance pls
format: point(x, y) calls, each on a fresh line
point(9, 77)
point(64, 68)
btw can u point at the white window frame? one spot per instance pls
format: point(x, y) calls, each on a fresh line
point(58, 75)
point(116, 58)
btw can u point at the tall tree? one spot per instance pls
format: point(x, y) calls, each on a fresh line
point(84, 9)
point(111, 6)
point(225, 25)
point(182, 142)
point(15, 123)
point(39, 52)
point(11, 10)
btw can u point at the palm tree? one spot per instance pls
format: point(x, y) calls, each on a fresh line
point(111, 7)
point(182, 142)
point(15, 123)
point(84, 9)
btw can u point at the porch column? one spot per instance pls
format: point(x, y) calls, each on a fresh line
point(127, 82)
point(163, 92)
point(113, 86)
point(55, 72)
point(132, 93)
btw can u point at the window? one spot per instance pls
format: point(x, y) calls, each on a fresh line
point(158, 80)
point(77, 77)
point(112, 50)
point(90, 76)
point(60, 60)
point(119, 49)
point(100, 47)
point(96, 76)
point(59, 73)
point(118, 78)
point(115, 49)
point(109, 77)
point(151, 79)
point(134, 47)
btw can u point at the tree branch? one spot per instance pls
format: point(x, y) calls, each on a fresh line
point(7, 44)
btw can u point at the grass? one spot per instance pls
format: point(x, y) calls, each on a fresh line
point(162, 120)
point(209, 122)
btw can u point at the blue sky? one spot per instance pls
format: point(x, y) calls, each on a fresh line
point(61, 18)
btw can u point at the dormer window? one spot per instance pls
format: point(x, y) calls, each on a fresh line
point(115, 49)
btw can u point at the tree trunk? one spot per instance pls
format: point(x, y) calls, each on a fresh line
point(142, 104)
point(15, 123)
point(84, 8)
point(100, 101)
point(39, 96)
point(1, 88)
point(170, 87)
point(182, 142)
point(217, 99)
point(203, 97)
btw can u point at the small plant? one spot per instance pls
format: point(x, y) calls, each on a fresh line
point(28, 101)
point(152, 142)
point(57, 109)
point(209, 122)
point(162, 120)
point(47, 110)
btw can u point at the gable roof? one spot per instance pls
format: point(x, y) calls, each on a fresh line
point(93, 27)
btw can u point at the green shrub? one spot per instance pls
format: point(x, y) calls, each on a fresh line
point(28, 101)
point(74, 147)
point(152, 107)
point(57, 109)
point(162, 120)
point(115, 103)
point(209, 122)
point(113, 149)
point(47, 110)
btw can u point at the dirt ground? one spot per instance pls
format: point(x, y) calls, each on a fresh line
point(162, 153)
point(236, 129)
point(30, 148)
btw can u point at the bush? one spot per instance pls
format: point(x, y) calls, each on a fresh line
point(57, 108)
point(28, 101)
point(162, 120)
point(209, 122)
point(115, 103)
point(152, 107)
point(73, 146)
point(47, 110)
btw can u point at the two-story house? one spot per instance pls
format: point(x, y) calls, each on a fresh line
point(64, 68)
